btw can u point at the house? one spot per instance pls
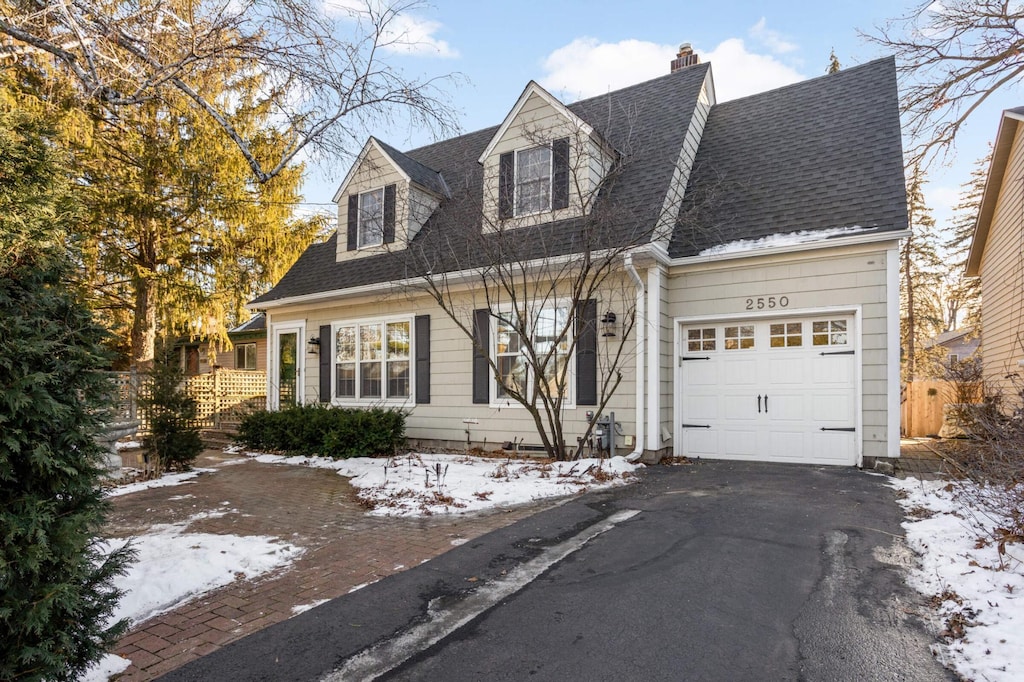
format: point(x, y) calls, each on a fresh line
point(248, 351)
point(997, 258)
point(955, 346)
point(761, 266)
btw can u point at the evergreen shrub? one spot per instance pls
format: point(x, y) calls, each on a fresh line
point(320, 431)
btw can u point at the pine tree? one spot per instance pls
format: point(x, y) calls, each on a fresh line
point(55, 580)
point(921, 315)
point(963, 294)
point(173, 440)
point(833, 63)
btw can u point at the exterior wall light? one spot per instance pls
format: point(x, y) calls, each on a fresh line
point(608, 324)
point(314, 345)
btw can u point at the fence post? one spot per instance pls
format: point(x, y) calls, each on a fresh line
point(216, 398)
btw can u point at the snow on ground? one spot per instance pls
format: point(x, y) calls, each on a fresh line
point(302, 608)
point(980, 594)
point(422, 484)
point(785, 239)
point(127, 445)
point(162, 482)
point(173, 567)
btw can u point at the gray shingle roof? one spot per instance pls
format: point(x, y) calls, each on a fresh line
point(819, 154)
point(417, 172)
point(256, 323)
point(823, 153)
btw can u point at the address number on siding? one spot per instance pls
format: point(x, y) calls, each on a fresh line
point(767, 302)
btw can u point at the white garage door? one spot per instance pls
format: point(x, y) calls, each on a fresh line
point(778, 390)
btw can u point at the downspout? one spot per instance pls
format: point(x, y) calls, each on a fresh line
point(641, 343)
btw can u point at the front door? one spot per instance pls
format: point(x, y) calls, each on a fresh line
point(286, 380)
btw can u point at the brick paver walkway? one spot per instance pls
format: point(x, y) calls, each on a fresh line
point(312, 508)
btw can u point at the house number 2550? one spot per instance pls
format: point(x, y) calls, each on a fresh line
point(762, 302)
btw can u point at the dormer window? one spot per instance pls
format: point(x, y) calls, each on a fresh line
point(371, 218)
point(534, 180)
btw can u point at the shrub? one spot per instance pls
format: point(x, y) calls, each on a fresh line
point(173, 436)
point(316, 430)
point(56, 589)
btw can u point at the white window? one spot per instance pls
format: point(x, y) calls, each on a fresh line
point(371, 360)
point(371, 218)
point(548, 341)
point(786, 334)
point(700, 339)
point(828, 333)
point(245, 356)
point(739, 338)
point(533, 180)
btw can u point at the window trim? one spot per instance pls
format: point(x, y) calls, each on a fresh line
point(410, 360)
point(255, 359)
point(550, 181)
point(569, 402)
point(359, 219)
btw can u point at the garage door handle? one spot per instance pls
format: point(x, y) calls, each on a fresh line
point(838, 428)
point(759, 404)
point(766, 403)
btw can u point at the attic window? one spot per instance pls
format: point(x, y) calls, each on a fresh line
point(371, 218)
point(533, 180)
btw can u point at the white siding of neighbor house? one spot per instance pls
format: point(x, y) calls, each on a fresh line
point(852, 277)
point(537, 122)
point(451, 354)
point(1002, 281)
point(413, 206)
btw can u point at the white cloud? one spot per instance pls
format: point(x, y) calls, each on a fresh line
point(587, 67)
point(405, 33)
point(770, 38)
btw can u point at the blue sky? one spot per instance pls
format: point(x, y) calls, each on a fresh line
point(579, 49)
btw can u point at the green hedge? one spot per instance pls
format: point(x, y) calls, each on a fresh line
point(316, 430)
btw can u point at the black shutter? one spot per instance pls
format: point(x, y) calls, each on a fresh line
point(586, 354)
point(389, 214)
point(560, 174)
point(353, 221)
point(506, 184)
point(326, 352)
point(422, 359)
point(481, 349)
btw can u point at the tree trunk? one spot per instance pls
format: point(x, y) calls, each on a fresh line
point(144, 323)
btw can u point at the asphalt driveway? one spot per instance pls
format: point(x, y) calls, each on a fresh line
point(713, 571)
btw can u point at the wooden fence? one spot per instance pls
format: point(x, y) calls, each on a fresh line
point(223, 396)
point(921, 404)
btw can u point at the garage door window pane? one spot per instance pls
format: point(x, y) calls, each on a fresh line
point(786, 334)
point(700, 339)
point(739, 338)
point(829, 333)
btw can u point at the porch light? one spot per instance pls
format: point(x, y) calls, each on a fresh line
point(314, 345)
point(608, 324)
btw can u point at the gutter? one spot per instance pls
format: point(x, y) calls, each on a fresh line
point(641, 343)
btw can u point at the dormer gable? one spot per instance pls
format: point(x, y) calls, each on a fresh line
point(544, 163)
point(384, 200)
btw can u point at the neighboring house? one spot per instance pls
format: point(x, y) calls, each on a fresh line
point(248, 352)
point(767, 289)
point(953, 347)
point(998, 258)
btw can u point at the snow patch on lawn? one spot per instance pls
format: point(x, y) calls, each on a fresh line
point(173, 567)
point(979, 595)
point(425, 484)
point(163, 482)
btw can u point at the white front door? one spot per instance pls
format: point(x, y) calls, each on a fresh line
point(286, 371)
point(781, 390)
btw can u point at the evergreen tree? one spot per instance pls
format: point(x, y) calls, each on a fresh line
point(173, 440)
point(963, 294)
point(833, 63)
point(55, 580)
point(921, 315)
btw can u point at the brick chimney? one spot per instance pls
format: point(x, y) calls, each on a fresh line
point(685, 57)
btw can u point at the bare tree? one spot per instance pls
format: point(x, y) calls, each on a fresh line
point(324, 64)
point(536, 283)
point(952, 56)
